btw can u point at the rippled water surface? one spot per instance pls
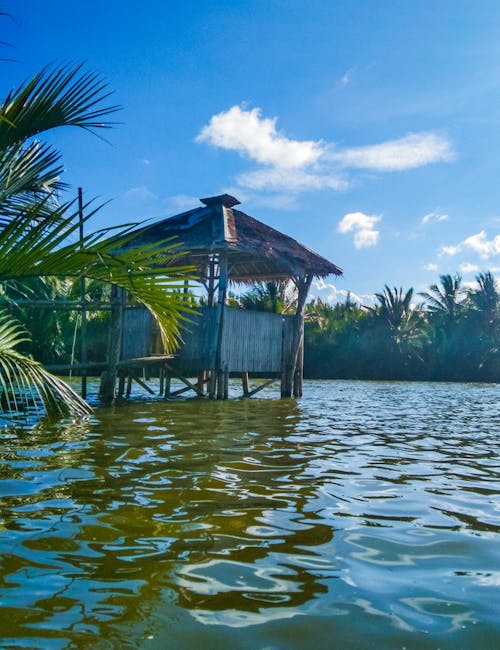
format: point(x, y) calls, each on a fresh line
point(365, 515)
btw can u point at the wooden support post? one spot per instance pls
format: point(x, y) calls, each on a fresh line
point(83, 311)
point(144, 385)
point(161, 375)
point(211, 283)
point(298, 376)
point(262, 386)
point(216, 335)
point(220, 385)
point(290, 359)
point(211, 384)
point(225, 382)
point(244, 383)
point(108, 377)
point(121, 384)
point(201, 380)
point(168, 380)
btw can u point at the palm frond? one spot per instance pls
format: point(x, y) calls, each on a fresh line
point(25, 384)
point(53, 98)
point(30, 247)
point(26, 172)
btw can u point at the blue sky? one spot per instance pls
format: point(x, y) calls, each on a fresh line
point(368, 130)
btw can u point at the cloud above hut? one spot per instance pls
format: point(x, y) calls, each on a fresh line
point(290, 164)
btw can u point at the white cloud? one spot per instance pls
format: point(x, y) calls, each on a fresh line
point(140, 193)
point(278, 179)
point(449, 250)
point(329, 293)
point(363, 227)
point(346, 78)
point(145, 162)
point(183, 202)
point(413, 150)
point(467, 267)
point(255, 136)
point(310, 165)
point(431, 267)
point(434, 216)
point(479, 243)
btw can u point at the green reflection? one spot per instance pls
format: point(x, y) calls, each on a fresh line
point(265, 514)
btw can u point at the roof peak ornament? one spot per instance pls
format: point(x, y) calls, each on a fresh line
point(226, 200)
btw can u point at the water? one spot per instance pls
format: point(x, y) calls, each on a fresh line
point(365, 515)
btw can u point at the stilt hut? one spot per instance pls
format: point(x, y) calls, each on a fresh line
point(226, 245)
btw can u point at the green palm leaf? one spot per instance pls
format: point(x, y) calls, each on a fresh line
point(51, 99)
point(30, 247)
point(24, 383)
point(39, 238)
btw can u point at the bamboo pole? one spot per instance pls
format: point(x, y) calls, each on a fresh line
point(83, 310)
point(244, 383)
point(218, 326)
point(298, 376)
point(225, 382)
point(262, 386)
point(108, 377)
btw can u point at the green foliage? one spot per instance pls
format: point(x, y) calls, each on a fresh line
point(455, 337)
point(274, 297)
point(24, 382)
point(39, 246)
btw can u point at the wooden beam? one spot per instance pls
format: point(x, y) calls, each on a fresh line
point(185, 381)
point(143, 384)
point(91, 365)
point(262, 386)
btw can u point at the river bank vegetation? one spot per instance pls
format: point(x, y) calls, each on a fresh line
point(448, 333)
point(42, 242)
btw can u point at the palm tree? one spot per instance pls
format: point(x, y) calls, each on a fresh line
point(445, 301)
point(278, 297)
point(38, 236)
point(485, 299)
point(446, 306)
point(402, 330)
point(484, 328)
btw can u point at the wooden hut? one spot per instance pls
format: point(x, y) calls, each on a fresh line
point(226, 245)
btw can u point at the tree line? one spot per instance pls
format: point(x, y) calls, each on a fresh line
point(450, 334)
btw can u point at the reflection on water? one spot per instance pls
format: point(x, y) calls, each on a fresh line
point(367, 513)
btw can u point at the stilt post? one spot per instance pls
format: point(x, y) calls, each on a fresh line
point(108, 377)
point(303, 284)
point(244, 383)
point(83, 307)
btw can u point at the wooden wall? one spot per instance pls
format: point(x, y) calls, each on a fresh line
point(137, 333)
point(252, 341)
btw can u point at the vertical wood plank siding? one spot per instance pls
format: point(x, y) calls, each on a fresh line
point(252, 341)
point(194, 352)
point(137, 333)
